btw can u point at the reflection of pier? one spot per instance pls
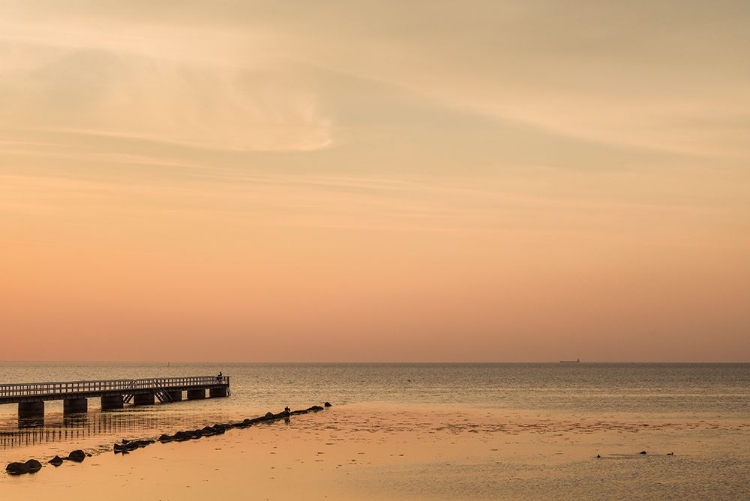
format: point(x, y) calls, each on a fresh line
point(75, 428)
point(114, 393)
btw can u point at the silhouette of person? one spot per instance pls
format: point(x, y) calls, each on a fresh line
point(218, 378)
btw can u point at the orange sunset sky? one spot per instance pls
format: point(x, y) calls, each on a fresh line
point(346, 180)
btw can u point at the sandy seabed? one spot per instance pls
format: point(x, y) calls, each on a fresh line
point(381, 453)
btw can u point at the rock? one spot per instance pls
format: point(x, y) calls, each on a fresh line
point(166, 438)
point(315, 408)
point(33, 465)
point(17, 468)
point(181, 436)
point(131, 445)
point(598, 456)
point(642, 452)
point(77, 455)
point(56, 461)
point(327, 404)
point(269, 415)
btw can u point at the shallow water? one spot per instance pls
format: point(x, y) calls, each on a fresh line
point(536, 428)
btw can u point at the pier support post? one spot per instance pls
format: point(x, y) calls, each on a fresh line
point(144, 399)
point(110, 402)
point(196, 394)
point(75, 405)
point(218, 392)
point(176, 395)
point(30, 414)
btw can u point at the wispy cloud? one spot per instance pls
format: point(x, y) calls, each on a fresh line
point(601, 73)
point(234, 78)
point(196, 86)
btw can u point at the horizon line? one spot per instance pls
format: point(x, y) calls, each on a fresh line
point(329, 362)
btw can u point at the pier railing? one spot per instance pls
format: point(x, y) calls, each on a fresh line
point(123, 386)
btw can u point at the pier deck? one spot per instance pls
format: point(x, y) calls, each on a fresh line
point(30, 397)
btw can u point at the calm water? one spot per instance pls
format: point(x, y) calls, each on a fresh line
point(682, 391)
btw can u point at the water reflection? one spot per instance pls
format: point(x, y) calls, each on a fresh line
point(105, 425)
point(31, 422)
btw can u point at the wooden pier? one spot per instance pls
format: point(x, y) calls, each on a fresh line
point(114, 393)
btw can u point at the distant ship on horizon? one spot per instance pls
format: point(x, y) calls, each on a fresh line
point(576, 361)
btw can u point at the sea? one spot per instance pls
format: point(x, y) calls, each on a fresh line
point(709, 401)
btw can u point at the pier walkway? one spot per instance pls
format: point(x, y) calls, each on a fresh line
point(114, 393)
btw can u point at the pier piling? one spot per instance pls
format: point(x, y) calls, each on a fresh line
point(196, 394)
point(31, 410)
point(217, 392)
point(75, 405)
point(112, 402)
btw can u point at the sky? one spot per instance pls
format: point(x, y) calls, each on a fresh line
point(357, 181)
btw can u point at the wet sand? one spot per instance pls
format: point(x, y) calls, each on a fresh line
point(379, 453)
